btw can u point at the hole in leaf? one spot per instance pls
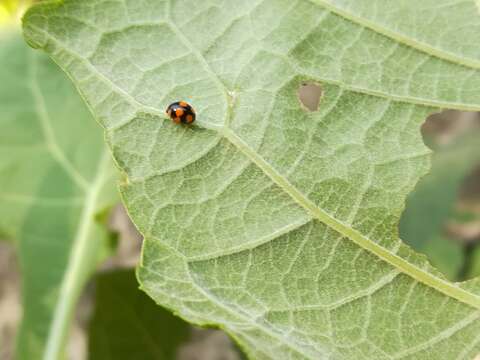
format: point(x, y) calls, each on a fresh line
point(309, 95)
point(443, 128)
point(125, 239)
point(442, 215)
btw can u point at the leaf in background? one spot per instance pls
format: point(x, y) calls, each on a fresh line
point(55, 176)
point(127, 324)
point(278, 224)
point(476, 263)
point(432, 204)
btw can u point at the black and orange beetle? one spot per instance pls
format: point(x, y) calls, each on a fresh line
point(181, 112)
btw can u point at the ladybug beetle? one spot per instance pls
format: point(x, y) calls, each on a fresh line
point(181, 112)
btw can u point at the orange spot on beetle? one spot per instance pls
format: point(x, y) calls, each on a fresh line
point(176, 120)
point(189, 118)
point(179, 112)
point(183, 104)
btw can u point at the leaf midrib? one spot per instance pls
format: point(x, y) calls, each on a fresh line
point(350, 233)
point(91, 191)
point(76, 263)
point(394, 260)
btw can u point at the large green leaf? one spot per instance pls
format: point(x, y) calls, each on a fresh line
point(55, 175)
point(127, 324)
point(277, 224)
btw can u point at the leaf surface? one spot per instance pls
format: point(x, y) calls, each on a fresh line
point(277, 224)
point(55, 176)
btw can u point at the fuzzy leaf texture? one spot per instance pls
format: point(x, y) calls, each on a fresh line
point(278, 224)
point(56, 175)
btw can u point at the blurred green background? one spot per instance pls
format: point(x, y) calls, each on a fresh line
point(442, 215)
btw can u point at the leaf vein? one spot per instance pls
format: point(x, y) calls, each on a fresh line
point(366, 243)
point(251, 244)
point(412, 43)
point(445, 334)
point(50, 139)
